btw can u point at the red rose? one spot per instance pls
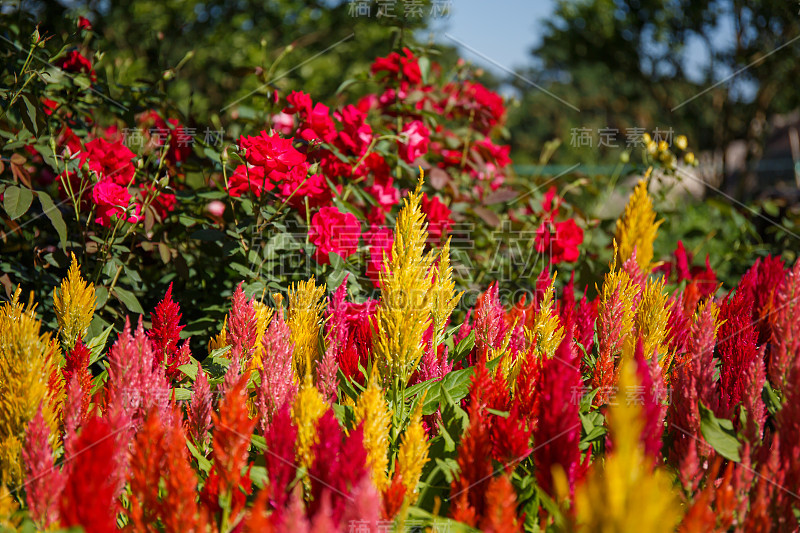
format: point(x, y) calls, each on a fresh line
point(334, 231)
point(406, 66)
point(110, 160)
point(379, 240)
point(272, 152)
point(415, 141)
point(84, 24)
point(245, 180)
point(75, 62)
point(438, 216)
point(559, 240)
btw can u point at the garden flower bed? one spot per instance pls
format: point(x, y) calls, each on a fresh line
point(282, 329)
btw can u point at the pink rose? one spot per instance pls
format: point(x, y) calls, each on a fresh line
point(110, 200)
point(415, 141)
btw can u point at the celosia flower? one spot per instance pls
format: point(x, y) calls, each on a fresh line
point(693, 382)
point(339, 466)
point(558, 429)
point(333, 231)
point(637, 228)
point(242, 325)
point(89, 494)
point(614, 323)
point(27, 361)
point(444, 297)
point(308, 407)
point(501, 508)
point(475, 467)
point(413, 453)
point(77, 367)
point(372, 412)
point(404, 312)
point(198, 415)
point(785, 329)
point(653, 400)
point(136, 382)
point(623, 492)
point(547, 332)
point(489, 324)
point(650, 323)
point(279, 456)
point(165, 334)
point(737, 348)
point(305, 315)
point(44, 479)
point(73, 303)
point(163, 484)
point(278, 386)
point(231, 439)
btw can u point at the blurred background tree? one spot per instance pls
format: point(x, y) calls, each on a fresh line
point(710, 69)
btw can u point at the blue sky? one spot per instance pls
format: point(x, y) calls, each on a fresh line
point(503, 30)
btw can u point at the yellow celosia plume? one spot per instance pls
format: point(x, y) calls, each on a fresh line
point(616, 310)
point(637, 228)
point(372, 411)
point(652, 315)
point(404, 313)
point(413, 453)
point(263, 316)
point(444, 297)
point(308, 408)
point(625, 492)
point(74, 305)
point(27, 359)
point(221, 340)
point(306, 304)
point(547, 332)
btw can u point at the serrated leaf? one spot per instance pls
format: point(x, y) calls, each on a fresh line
point(17, 201)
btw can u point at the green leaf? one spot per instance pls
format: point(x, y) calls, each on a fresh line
point(52, 212)
point(130, 301)
point(97, 344)
point(719, 433)
point(464, 347)
point(17, 201)
point(202, 462)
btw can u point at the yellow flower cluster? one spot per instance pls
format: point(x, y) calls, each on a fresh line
point(308, 408)
point(306, 304)
point(547, 331)
point(372, 411)
point(74, 305)
point(413, 453)
point(27, 359)
point(625, 492)
point(405, 309)
point(637, 228)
